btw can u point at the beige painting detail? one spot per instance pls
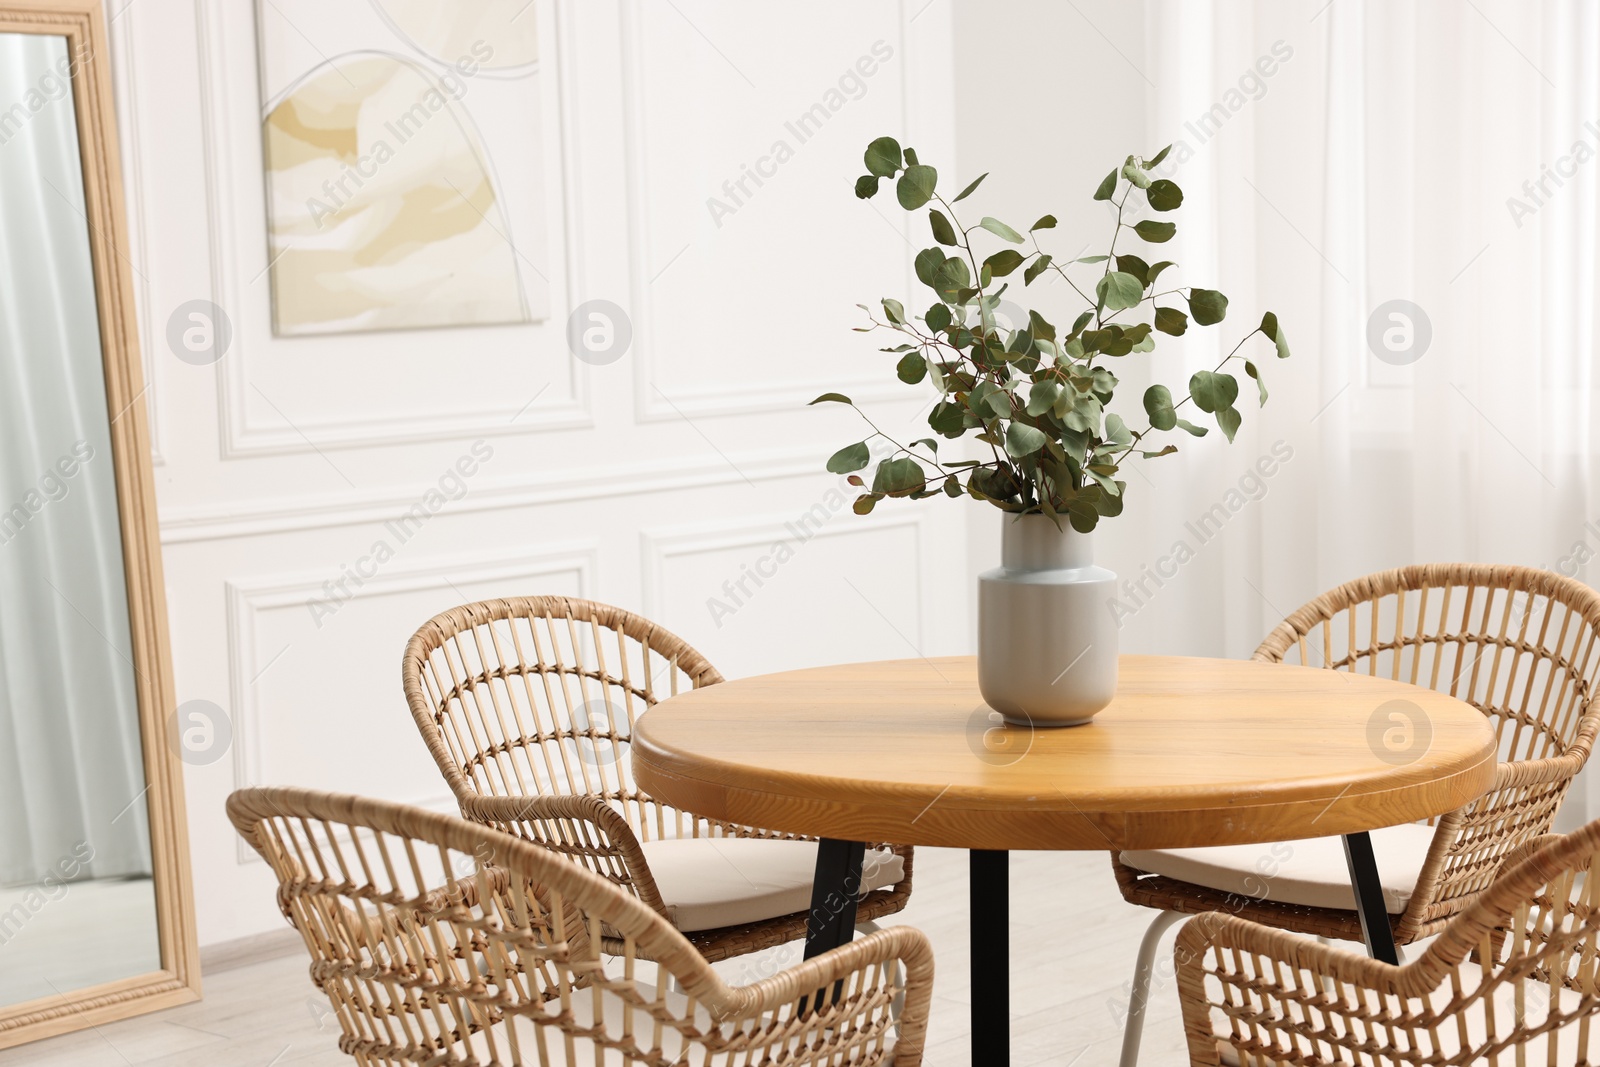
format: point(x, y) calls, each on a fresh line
point(384, 211)
point(445, 31)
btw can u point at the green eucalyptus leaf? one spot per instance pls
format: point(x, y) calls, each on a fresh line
point(947, 419)
point(1155, 271)
point(911, 156)
point(1108, 186)
point(1117, 290)
point(952, 486)
point(1213, 391)
point(883, 157)
point(943, 232)
point(1250, 369)
point(1171, 321)
point(1135, 266)
point(999, 404)
point(1085, 413)
point(898, 476)
point(895, 310)
point(1036, 268)
point(1042, 396)
point(1164, 195)
point(916, 186)
point(1228, 419)
point(1091, 259)
point(1208, 306)
point(1135, 175)
point(1000, 230)
point(1155, 232)
point(1167, 451)
point(866, 187)
point(1110, 504)
point(963, 194)
point(1158, 405)
point(1046, 222)
point(832, 398)
point(912, 368)
point(1274, 332)
point(1152, 164)
point(1104, 481)
point(1039, 327)
point(937, 318)
point(1189, 427)
point(1083, 522)
point(1023, 439)
point(1003, 262)
point(1117, 431)
point(927, 263)
point(863, 504)
point(951, 279)
point(849, 458)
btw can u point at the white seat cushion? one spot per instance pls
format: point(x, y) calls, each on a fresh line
point(1312, 872)
point(709, 882)
point(1509, 1015)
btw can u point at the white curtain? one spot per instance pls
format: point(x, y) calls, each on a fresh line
point(1360, 152)
point(71, 773)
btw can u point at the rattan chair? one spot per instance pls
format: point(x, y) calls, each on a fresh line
point(1518, 644)
point(1513, 979)
point(439, 941)
point(528, 705)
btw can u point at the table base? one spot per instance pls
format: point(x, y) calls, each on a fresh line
point(837, 885)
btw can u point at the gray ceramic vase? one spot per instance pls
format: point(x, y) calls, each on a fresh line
point(1047, 646)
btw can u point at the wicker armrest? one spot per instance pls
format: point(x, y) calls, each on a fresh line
point(584, 828)
point(867, 968)
point(1229, 936)
point(1514, 774)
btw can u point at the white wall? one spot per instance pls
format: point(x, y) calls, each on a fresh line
point(648, 483)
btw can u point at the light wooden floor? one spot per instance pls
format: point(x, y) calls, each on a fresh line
point(1072, 941)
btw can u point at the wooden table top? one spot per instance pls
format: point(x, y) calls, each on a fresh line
point(1191, 752)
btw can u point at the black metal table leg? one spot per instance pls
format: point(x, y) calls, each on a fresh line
point(1369, 898)
point(989, 918)
point(835, 888)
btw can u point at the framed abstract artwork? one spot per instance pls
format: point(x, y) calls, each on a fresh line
point(403, 156)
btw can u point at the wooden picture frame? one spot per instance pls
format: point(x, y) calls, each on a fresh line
point(83, 24)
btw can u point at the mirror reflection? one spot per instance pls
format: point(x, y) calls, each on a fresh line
point(77, 904)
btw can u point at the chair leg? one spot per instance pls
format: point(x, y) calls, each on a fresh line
point(1143, 970)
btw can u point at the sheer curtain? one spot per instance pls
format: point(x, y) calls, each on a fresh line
point(1442, 154)
point(71, 771)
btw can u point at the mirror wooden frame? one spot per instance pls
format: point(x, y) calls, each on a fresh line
point(83, 24)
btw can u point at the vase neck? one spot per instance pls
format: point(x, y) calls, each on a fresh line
point(1034, 542)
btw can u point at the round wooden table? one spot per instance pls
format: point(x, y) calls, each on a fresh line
point(1191, 752)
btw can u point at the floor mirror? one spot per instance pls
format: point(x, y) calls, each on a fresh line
point(96, 911)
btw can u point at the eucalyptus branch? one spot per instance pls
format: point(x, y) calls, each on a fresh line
point(1058, 450)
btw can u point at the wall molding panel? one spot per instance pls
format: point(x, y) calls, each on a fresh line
point(652, 403)
point(248, 599)
point(226, 30)
point(659, 547)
